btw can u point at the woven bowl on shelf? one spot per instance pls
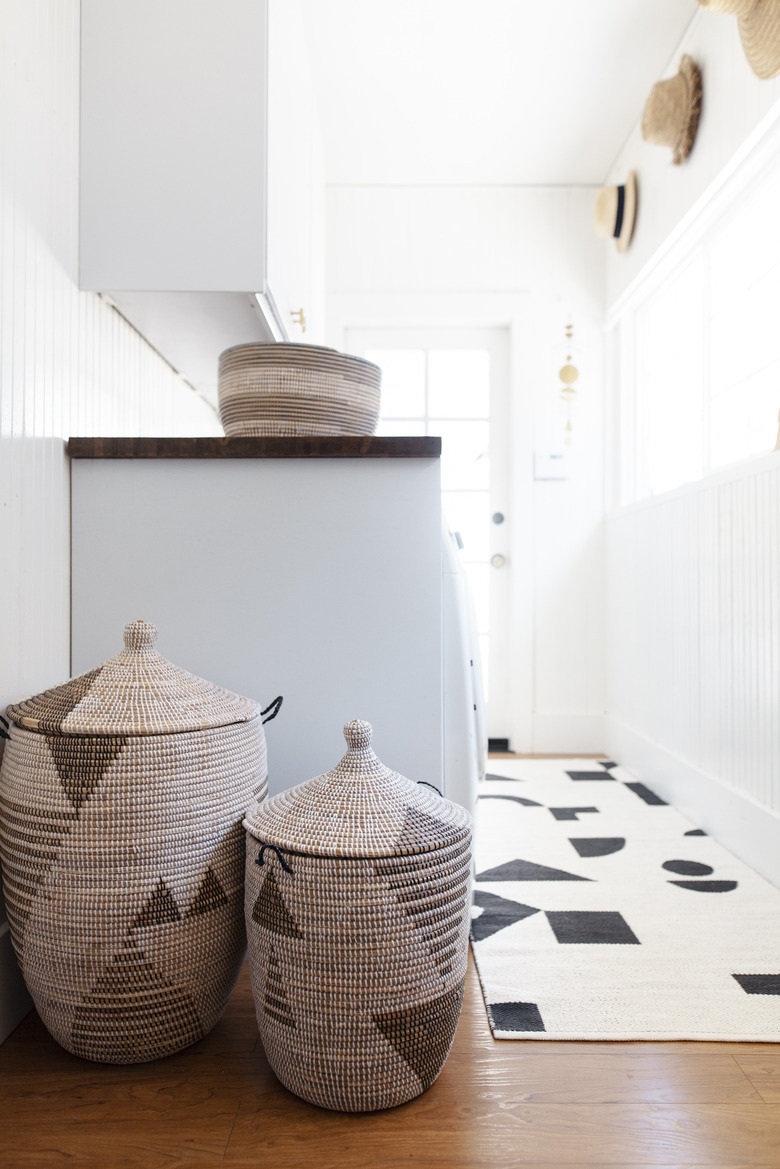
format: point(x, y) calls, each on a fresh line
point(288, 389)
point(357, 911)
point(121, 799)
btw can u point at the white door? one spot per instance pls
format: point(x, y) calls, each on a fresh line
point(453, 383)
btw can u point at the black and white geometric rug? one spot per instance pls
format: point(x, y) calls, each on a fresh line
point(601, 913)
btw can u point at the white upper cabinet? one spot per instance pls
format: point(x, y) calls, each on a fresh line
point(183, 168)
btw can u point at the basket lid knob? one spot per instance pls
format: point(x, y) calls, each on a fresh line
point(140, 635)
point(358, 734)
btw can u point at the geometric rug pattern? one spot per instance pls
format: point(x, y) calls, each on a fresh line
point(600, 912)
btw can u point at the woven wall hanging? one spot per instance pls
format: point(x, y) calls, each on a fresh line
point(357, 908)
point(121, 799)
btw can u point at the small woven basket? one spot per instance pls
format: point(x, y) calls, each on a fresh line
point(121, 799)
point(357, 910)
point(287, 389)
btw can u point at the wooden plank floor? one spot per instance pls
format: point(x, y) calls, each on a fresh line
point(505, 1103)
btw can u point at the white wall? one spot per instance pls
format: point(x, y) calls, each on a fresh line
point(525, 258)
point(69, 364)
point(736, 106)
point(693, 574)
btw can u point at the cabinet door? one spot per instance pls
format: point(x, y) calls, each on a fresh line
point(173, 150)
point(318, 579)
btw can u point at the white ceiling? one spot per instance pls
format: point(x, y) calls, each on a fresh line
point(485, 91)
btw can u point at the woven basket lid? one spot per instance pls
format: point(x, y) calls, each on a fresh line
point(137, 692)
point(359, 809)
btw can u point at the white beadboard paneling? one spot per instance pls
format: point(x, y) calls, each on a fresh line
point(69, 364)
point(748, 829)
point(693, 632)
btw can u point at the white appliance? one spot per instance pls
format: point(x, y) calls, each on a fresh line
point(465, 732)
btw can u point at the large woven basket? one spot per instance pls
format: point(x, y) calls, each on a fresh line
point(121, 799)
point(287, 389)
point(357, 909)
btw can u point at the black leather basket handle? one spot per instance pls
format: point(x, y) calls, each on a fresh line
point(274, 708)
point(261, 859)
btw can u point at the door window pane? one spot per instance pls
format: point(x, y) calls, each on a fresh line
point(400, 426)
point(403, 381)
point(464, 454)
point(459, 383)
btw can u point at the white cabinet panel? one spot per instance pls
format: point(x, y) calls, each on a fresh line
point(173, 129)
point(200, 196)
point(318, 579)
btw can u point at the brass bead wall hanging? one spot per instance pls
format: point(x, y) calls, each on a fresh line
point(568, 375)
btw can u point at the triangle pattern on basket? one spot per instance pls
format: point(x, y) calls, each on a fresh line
point(210, 896)
point(48, 711)
point(37, 837)
point(159, 909)
point(422, 1034)
point(157, 1020)
point(82, 762)
point(419, 831)
point(410, 884)
point(270, 911)
point(275, 1002)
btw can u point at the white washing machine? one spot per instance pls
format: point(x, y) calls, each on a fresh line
point(465, 733)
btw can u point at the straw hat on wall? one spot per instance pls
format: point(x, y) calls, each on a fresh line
point(671, 114)
point(615, 212)
point(759, 27)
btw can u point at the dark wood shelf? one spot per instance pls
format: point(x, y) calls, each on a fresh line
point(309, 447)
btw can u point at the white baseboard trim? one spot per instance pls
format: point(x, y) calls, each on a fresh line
point(568, 734)
point(748, 829)
point(14, 999)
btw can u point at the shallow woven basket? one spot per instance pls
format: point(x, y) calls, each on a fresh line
point(121, 799)
point(357, 910)
point(287, 389)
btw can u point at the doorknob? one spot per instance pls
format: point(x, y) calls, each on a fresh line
point(498, 561)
